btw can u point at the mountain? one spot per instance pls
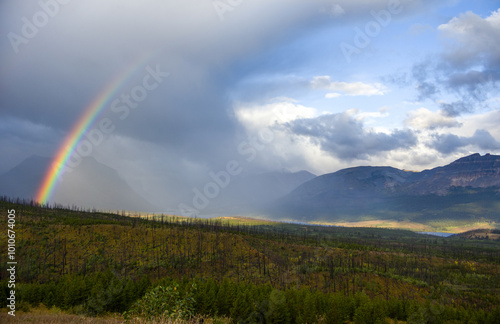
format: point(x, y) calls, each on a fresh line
point(474, 171)
point(91, 184)
point(464, 189)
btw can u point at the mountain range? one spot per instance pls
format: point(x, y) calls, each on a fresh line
point(464, 189)
point(467, 189)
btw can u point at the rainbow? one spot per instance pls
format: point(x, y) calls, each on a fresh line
point(86, 120)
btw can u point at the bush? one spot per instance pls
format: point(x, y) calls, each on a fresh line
point(164, 302)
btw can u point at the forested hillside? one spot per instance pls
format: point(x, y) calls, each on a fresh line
point(92, 263)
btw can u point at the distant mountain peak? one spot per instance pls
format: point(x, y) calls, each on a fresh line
point(475, 162)
point(477, 157)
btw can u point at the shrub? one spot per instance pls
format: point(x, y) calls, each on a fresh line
point(164, 302)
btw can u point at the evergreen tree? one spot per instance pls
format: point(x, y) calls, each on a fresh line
point(310, 311)
point(206, 297)
point(49, 294)
point(225, 296)
point(242, 305)
point(278, 308)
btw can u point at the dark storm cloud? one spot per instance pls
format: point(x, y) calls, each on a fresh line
point(450, 143)
point(51, 78)
point(73, 58)
point(343, 136)
point(18, 136)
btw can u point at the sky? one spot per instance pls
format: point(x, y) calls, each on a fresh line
point(291, 85)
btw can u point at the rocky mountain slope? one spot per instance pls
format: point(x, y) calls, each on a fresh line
point(468, 187)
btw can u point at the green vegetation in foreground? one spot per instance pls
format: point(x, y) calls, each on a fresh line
point(96, 263)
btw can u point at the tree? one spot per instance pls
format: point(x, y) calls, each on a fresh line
point(242, 305)
point(278, 309)
point(369, 312)
point(310, 311)
point(225, 296)
point(340, 308)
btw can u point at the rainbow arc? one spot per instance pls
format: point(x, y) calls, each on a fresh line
point(84, 123)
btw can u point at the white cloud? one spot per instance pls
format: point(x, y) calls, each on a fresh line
point(473, 38)
point(254, 116)
point(347, 88)
point(381, 113)
point(423, 118)
point(285, 150)
point(332, 95)
point(489, 120)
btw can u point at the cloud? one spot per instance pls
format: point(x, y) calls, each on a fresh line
point(282, 110)
point(456, 108)
point(472, 39)
point(423, 118)
point(450, 143)
point(303, 139)
point(474, 86)
point(489, 120)
point(383, 112)
point(346, 88)
point(332, 95)
point(72, 59)
point(425, 86)
point(20, 139)
point(468, 66)
point(343, 136)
